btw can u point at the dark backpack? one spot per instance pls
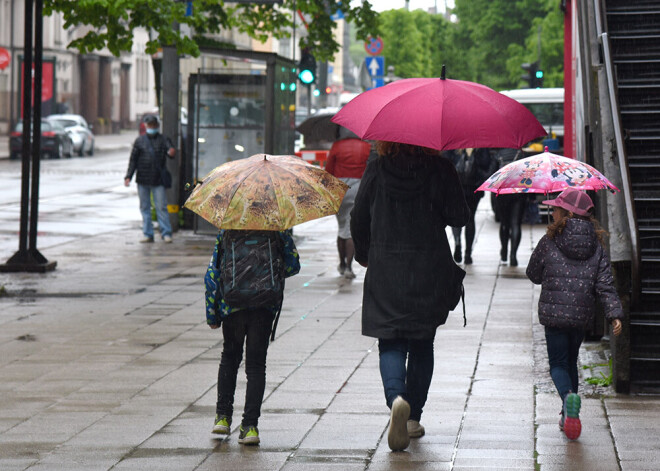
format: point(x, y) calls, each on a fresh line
point(251, 268)
point(465, 167)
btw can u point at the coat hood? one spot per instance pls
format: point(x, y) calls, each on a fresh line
point(578, 239)
point(406, 175)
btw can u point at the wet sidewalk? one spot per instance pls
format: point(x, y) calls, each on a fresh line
point(107, 363)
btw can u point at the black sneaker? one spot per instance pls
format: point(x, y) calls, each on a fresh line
point(468, 259)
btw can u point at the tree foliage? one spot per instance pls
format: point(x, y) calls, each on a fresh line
point(488, 43)
point(112, 22)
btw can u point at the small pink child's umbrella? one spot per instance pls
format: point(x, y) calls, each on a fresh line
point(545, 173)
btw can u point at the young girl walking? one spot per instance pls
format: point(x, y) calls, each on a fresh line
point(573, 268)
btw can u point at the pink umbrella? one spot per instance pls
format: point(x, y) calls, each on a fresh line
point(441, 114)
point(545, 173)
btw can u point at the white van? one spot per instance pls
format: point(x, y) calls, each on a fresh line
point(547, 104)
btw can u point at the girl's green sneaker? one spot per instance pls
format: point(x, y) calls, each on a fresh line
point(572, 424)
point(222, 424)
point(249, 435)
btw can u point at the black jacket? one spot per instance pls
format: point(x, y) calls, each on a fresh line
point(573, 269)
point(148, 166)
point(398, 227)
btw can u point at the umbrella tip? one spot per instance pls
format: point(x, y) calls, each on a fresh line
point(266, 155)
point(545, 149)
point(442, 74)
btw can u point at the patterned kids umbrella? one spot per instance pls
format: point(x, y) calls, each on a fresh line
point(266, 192)
point(545, 173)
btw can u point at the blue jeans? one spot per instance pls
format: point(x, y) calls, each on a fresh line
point(563, 349)
point(411, 383)
point(160, 202)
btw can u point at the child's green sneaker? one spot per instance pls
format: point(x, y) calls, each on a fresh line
point(572, 424)
point(222, 424)
point(249, 435)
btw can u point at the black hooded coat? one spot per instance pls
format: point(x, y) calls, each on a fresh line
point(398, 223)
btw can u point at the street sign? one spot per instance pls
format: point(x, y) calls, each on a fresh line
point(5, 58)
point(373, 46)
point(375, 66)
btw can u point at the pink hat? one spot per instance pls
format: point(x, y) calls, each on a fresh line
point(575, 201)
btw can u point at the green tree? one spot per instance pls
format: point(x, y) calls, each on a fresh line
point(403, 43)
point(548, 31)
point(112, 22)
point(493, 26)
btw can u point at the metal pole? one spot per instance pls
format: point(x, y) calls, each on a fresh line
point(27, 133)
point(12, 91)
point(36, 125)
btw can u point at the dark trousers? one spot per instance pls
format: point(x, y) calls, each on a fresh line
point(252, 327)
point(411, 382)
point(563, 349)
point(511, 209)
point(472, 201)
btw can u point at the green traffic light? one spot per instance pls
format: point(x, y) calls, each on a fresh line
point(306, 76)
point(316, 92)
point(539, 74)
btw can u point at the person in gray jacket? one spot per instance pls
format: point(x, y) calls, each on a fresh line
point(573, 269)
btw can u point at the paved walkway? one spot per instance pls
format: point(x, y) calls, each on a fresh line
point(107, 363)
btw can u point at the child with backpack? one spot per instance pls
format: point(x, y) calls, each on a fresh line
point(244, 291)
point(573, 268)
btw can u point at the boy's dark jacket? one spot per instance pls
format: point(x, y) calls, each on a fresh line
point(398, 223)
point(574, 271)
point(216, 310)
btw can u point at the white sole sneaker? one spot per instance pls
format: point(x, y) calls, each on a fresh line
point(397, 436)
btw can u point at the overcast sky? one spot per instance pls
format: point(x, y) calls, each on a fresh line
point(382, 5)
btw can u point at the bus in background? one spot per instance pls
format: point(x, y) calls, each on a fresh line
point(547, 104)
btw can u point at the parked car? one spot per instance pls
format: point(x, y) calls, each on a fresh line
point(55, 141)
point(80, 132)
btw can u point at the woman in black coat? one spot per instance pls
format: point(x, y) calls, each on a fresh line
point(407, 198)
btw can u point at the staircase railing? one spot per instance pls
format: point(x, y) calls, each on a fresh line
point(621, 154)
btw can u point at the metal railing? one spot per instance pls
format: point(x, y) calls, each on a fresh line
point(621, 154)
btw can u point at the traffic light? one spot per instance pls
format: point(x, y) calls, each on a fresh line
point(539, 78)
point(531, 76)
point(307, 68)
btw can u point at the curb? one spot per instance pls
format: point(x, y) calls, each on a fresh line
point(97, 150)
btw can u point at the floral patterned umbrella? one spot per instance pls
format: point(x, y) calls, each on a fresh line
point(266, 192)
point(545, 173)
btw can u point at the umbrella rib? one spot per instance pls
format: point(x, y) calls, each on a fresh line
point(277, 199)
point(250, 172)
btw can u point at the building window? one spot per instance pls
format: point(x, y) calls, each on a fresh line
point(57, 28)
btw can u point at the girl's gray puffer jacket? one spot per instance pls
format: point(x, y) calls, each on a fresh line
point(573, 270)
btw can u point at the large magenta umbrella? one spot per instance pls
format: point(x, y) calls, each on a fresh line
point(441, 114)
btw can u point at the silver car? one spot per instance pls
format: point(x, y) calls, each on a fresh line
point(79, 131)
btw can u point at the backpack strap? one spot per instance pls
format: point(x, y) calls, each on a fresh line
point(277, 318)
point(463, 300)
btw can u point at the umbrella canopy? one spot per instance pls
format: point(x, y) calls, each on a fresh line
point(545, 173)
point(266, 192)
point(441, 114)
point(321, 128)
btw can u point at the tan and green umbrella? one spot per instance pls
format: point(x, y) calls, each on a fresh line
point(266, 192)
